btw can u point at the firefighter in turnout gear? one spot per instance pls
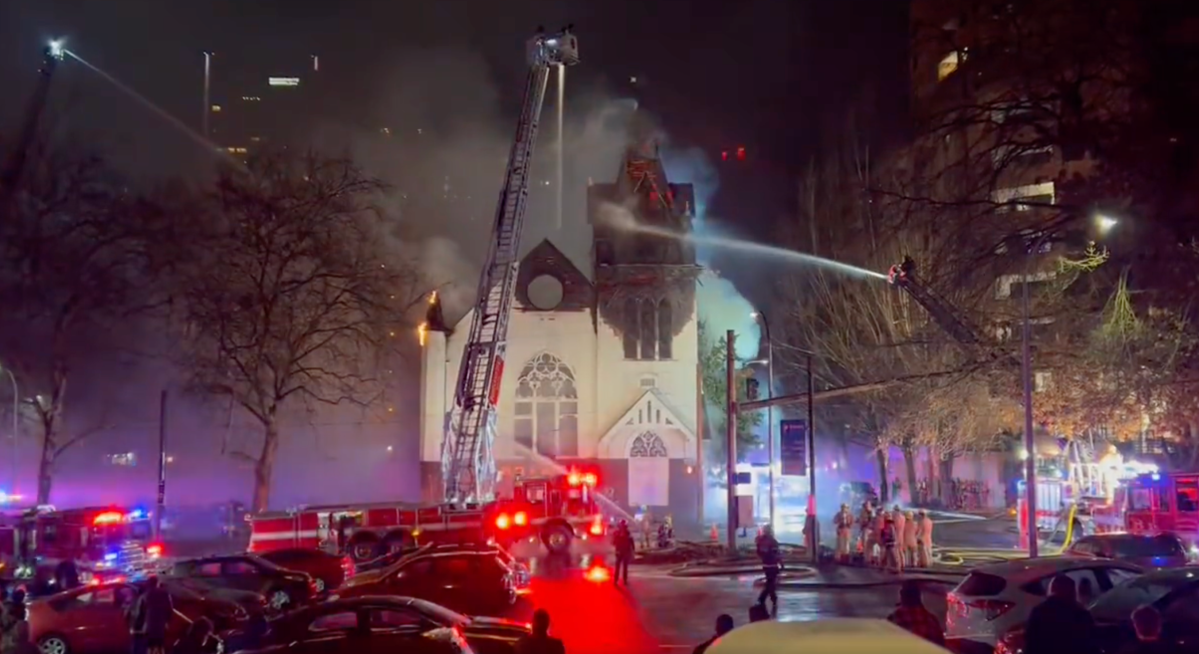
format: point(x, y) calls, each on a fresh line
point(843, 522)
point(624, 544)
point(772, 564)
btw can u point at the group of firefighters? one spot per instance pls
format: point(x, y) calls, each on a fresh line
point(892, 539)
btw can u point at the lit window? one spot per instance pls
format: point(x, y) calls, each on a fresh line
point(216, 108)
point(386, 131)
point(949, 64)
point(255, 139)
point(1035, 194)
point(237, 150)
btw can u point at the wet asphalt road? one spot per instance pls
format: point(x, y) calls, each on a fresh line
point(658, 613)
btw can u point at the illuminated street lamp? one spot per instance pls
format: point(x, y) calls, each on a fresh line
point(56, 48)
point(1105, 223)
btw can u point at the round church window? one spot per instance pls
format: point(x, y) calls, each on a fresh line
point(545, 292)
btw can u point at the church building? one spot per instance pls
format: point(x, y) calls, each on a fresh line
point(601, 370)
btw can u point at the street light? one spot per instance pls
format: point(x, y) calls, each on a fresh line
point(16, 417)
point(1105, 223)
point(761, 318)
point(56, 48)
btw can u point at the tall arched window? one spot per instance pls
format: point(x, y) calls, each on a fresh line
point(665, 331)
point(648, 323)
point(547, 408)
point(632, 328)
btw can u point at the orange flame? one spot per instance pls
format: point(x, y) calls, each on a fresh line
point(422, 333)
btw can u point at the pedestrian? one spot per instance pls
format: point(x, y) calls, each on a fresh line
point(66, 575)
point(909, 538)
point(890, 552)
point(768, 552)
point(876, 531)
point(624, 544)
point(1148, 625)
point(135, 617)
point(540, 641)
point(724, 624)
point(158, 611)
point(843, 522)
point(1060, 625)
point(914, 617)
point(924, 539)
point(758, 613)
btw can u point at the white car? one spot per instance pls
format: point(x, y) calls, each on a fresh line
point(993, 599)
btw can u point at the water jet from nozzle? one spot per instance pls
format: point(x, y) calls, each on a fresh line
point(620, 218)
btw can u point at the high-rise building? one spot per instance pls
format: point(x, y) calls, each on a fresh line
point(255, 105)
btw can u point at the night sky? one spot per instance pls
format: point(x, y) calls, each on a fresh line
point(769, 74)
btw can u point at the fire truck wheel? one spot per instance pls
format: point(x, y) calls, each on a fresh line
point(556, 538)
point(364, 550)
point(52, 645)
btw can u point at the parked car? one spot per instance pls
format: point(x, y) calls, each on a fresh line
point(1149, 552)
point(1173, 592)
point(390, 558)
point(994, 599)
point(281, 587)
point(92, 618)
point(327, 570)
point(475, 583)
point(372, 624)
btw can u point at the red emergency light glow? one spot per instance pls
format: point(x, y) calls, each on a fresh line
point(521, 519)
point(108, 518)
point(154, 550)
point(724, 155)
point(741, 153)
point(590, 479)
point(598, 574)
point(573, 479)
point(597, 528)
point(502, 521)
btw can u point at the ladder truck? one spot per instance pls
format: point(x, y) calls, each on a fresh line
point(14, 168)
point(903, 275)
point(467, 460)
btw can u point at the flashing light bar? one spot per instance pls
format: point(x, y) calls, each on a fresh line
point(502, 521)
point(521, 519)
point(108, 518)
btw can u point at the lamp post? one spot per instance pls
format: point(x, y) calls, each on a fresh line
point(16, 418)
point(761, 318)
point(207, 99)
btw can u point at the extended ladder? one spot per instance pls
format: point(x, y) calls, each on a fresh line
point(467, 460)
point(645, 171)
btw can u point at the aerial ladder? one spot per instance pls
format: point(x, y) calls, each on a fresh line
point(13, 172)
point(903, 275)
point(467, 459)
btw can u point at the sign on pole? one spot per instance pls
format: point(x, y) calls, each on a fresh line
point(793, 445)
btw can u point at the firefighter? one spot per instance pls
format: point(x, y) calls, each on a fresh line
point(909, 539)
point(647, 529)
point(887, 539)
point(876, 530)
point(625, 546)
point(843, 522)
point(772, 564)
point(66, 575)
point(901, 523)
point(924, 539)
point(864, 520)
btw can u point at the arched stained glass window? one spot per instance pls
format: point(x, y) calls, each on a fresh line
point(547, 408)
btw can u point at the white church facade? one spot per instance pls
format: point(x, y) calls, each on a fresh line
point(601, 370)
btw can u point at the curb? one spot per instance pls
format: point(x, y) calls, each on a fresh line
point(850, 585)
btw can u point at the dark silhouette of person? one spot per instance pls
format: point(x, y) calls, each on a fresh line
point(1060, 625)
point(768, 552)
point(540, 641)
point(625, 546)
point(724, 624)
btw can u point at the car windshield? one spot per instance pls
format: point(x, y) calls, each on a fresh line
point(1147, 546)
point(1118, 604)
point(440, 613)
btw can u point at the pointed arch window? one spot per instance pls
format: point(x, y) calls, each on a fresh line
point(631, 327)
point(647, 319)
point(547, 408)
point(665, 330)
point(648, 333)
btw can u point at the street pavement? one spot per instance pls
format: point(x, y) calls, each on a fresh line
point(658, 612)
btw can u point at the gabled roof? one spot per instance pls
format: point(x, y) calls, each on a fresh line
point(650, 409)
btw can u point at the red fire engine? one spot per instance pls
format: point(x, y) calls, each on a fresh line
point(1164, 502)
point(555, 509)
point(90, 535)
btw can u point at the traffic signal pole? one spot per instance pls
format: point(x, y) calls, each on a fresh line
point(731, 435)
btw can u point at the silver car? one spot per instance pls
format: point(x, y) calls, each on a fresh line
point(1149, 552)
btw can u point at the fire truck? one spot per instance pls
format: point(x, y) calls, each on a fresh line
point(38, 538)
point(1163, 502)
point(554, 506)
point(553, 510)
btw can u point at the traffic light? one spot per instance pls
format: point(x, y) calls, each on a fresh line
point(751, 389)
point(741, 153)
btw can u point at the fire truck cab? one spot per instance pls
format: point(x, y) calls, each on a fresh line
point(556, 509)
point(1164, 502)
point(43, 535)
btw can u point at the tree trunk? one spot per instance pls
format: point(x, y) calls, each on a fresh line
point(45, 472)
point(265, 465)
point(947, 480)
point(884, 489)
point(909, 462)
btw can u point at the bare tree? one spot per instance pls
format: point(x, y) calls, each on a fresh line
point(75, 262)
point(293, 295)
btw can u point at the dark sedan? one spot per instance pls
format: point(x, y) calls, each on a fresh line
point(1149, 552)
point(477, 583)
point(281, 587)
point(389, 624)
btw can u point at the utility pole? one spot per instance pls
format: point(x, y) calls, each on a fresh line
point(1030, 469)
point(769, 409)
point(699, 439)
point(207, 96)
point(160, 505)
point(731, 435)
point(814, 521)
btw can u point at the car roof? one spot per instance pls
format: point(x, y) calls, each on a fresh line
point(1039, 567)
point(1189, 571)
